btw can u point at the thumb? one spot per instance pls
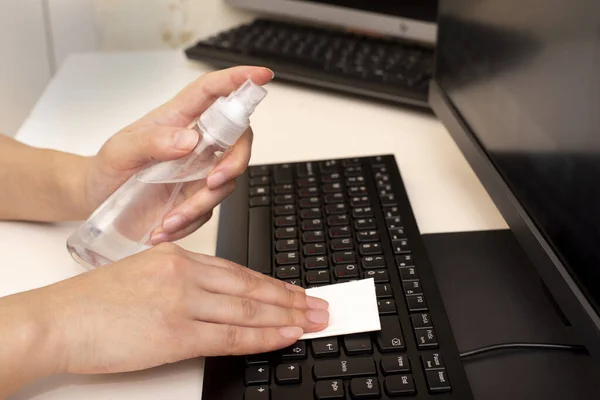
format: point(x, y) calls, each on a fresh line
point(133, 149)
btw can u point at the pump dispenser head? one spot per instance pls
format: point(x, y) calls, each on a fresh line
point(228, 118)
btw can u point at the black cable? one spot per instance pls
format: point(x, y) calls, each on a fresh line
point(536, 346)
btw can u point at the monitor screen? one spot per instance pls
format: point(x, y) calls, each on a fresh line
point(424, 10)
point(525, 77)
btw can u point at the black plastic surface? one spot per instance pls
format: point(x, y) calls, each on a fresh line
point(492, 294)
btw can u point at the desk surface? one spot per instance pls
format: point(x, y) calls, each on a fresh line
point(94, 95)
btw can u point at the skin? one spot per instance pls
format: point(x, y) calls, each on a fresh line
point(162, 305)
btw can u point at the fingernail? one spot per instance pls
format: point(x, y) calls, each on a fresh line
point(292, 332)
point(272, 74)
point(173, 223)
point(185, 140)
point(216, 180)
point(317, 316)
point(158, 238)
point(316, 303)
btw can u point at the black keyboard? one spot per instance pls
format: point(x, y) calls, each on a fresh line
point(378, 68)
point(318, 223)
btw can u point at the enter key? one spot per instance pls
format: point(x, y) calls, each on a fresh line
point(389, 338)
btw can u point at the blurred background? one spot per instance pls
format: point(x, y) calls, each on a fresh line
point(36, 36)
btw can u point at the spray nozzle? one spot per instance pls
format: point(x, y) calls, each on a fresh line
point(248, 96)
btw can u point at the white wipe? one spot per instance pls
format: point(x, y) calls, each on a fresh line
point(352, 308)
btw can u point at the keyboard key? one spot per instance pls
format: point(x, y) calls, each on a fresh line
point(309, 202)
point(287, 374)
point(389, 338)
point(281, 233)
point(358, 344)
point(315, 262)
point(437, 381)
point(288, 209)
point(393, 222)
point(304, 170)
point(294, 352)
point(342, 244)
point(383, 290)
point(257, 393)
point(338, 220)
point(357, 191)
point(315, 249)
point(355, 366)
point(286, 245)
point(329, 166)
point(380, 275)
point(344, 257)
point(307, 181)
point(332, 187)
point(326, 347)
point(426, 338)
point(365, 223)
point(257, 359)
point(353, 170)
point(412, 287)
point(355, 180)
point(389, 212)
point(400, 385)
point(334, 198)
point(259, 181)
point(400, 246)
point(351, 162)
point(287, 220)
point(288, 272)
point(404, 260)
point(259, 191)
point(317, 276)
point(287, 258)
point(335, 209)
point(312, 224)
point(362, 212)
point(421, 320)
point(259, 242)
point(367, 236)
point(288, 188)
point(365, 388)
point(408, 273)
point(329, 390)
point(394, 364)
point(282, 174)
point(397, 234)
point(284, 199)
point(389, 200)
point(330, 178)
point(348, 271)
point(386, 307)
point(373, 262)
point(313, 236)
point(260, 170)
point(359, 201)
point(308, 191)
point(260, 201)
point(339, 232)
point(416, 303)
point(432, 360)
point(257, 375)
point(296, 282)
point(367, 249)
point(310, 213)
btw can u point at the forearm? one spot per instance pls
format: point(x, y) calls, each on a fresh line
point(28, 350)
point(38, 184)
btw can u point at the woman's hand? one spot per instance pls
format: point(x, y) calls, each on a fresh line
point(163, 135)
point(167, 304)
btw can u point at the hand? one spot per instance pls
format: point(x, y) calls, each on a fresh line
point(162, 135)
point(167, 304)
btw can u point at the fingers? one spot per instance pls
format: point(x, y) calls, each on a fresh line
point(234, 163)
point(160, 236)
point(222, 309)
point(129, 150)
point(218, 339)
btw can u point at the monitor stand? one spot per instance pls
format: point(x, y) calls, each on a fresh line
point(492, 294)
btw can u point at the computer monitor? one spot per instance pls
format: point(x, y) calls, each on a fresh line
point(517, 84)
point(407, 19)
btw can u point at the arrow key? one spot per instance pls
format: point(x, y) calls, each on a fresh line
point(326, 347)
point(258, 375)
point(294, 352)
point(287, 373)
point(257, 393)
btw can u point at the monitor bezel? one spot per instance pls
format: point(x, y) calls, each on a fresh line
point(404, 28)
point(569, 297)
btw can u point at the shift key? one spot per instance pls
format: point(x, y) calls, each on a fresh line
point(355, 366)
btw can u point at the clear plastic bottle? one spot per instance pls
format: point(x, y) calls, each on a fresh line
point(122, 225)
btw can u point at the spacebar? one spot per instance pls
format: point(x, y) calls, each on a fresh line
point(259, 240)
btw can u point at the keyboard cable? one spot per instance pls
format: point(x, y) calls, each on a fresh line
point(522, 345)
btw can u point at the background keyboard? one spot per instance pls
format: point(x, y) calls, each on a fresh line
point(374, 67)
point(317, 223)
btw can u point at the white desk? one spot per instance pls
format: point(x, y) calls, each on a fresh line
point(94, 95)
